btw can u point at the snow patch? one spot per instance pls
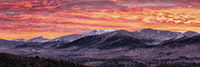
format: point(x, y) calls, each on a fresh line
point(158, 31)
point(93, 32)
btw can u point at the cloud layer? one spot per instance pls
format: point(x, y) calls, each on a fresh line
point(53, 18)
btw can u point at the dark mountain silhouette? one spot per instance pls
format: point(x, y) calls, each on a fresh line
point(38, 39)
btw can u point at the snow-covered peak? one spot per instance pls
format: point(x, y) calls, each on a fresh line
point(70, 38)
point(99, 31)
point(38, 39)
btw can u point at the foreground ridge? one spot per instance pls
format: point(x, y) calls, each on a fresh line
point(11, 60)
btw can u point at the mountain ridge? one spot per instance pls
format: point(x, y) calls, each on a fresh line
point(102, 40)
point(147, 36)
point(72, 37)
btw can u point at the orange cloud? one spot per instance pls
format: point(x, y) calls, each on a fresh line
point(53, 18)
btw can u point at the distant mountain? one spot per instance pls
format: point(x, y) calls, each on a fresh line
point(194, 40)
point(154, 37)
point(19, 40)
point(111, 40)
point(23, 43)
point(148, 37)
point(95, 32)
point(6, 44)
point(190, 33)
point(69, 38)
point(121, 38)
point(50, 42)
point(38, 39)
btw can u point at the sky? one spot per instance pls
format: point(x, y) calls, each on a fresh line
point(53, 18)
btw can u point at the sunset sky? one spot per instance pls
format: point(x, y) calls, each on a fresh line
point(53, 18)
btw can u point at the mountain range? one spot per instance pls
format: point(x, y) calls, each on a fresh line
point(146, 36)
point(113, 47)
